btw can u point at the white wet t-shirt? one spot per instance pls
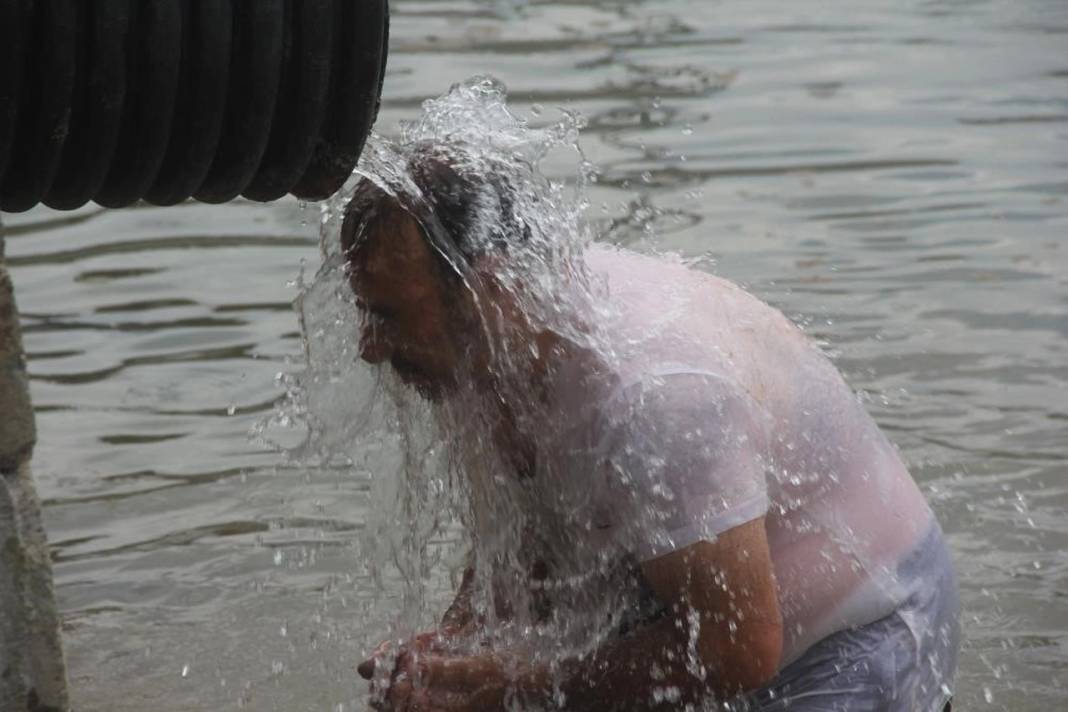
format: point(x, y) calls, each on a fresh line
point(723, 412)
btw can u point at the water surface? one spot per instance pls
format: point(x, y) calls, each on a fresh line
point(893, 175)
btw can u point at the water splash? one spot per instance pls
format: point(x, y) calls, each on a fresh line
point(342, 412)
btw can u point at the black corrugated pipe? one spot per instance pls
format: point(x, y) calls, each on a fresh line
point(117, 101)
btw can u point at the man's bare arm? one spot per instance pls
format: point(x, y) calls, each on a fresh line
point(723, 633)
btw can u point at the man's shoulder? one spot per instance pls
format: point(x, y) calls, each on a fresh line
point(667, 312)
point(634, 280)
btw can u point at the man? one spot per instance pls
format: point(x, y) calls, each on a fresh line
point(667, 481)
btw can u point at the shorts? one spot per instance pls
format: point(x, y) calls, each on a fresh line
point(904, 662)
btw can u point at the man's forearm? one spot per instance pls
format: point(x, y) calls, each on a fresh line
point(653, 670)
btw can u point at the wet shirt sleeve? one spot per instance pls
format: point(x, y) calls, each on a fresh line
point(685, 463)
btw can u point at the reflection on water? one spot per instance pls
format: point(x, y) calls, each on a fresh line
point(894, 179)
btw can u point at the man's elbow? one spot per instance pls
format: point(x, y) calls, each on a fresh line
point(763, 657)
point(750, 661)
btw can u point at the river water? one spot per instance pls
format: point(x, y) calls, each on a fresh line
point(892, 175)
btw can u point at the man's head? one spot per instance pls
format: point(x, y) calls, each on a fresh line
point(412, 260)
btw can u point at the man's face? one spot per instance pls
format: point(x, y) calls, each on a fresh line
point(408, 307)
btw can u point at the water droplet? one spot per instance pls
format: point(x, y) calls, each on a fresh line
point(185, 671)
point(988, 695)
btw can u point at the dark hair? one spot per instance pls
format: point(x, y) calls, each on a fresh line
point(465, 205)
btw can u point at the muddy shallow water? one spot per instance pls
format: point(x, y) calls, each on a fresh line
point(894, 176)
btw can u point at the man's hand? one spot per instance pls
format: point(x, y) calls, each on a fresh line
point(429, 641)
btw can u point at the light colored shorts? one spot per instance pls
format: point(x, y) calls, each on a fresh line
point(904, 662)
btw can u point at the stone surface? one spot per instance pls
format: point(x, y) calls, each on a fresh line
point(32, 668)
point(17, 432)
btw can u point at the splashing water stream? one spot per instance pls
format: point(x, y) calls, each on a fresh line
point(344, 410)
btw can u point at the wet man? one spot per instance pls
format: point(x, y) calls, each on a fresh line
point(701, 495)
